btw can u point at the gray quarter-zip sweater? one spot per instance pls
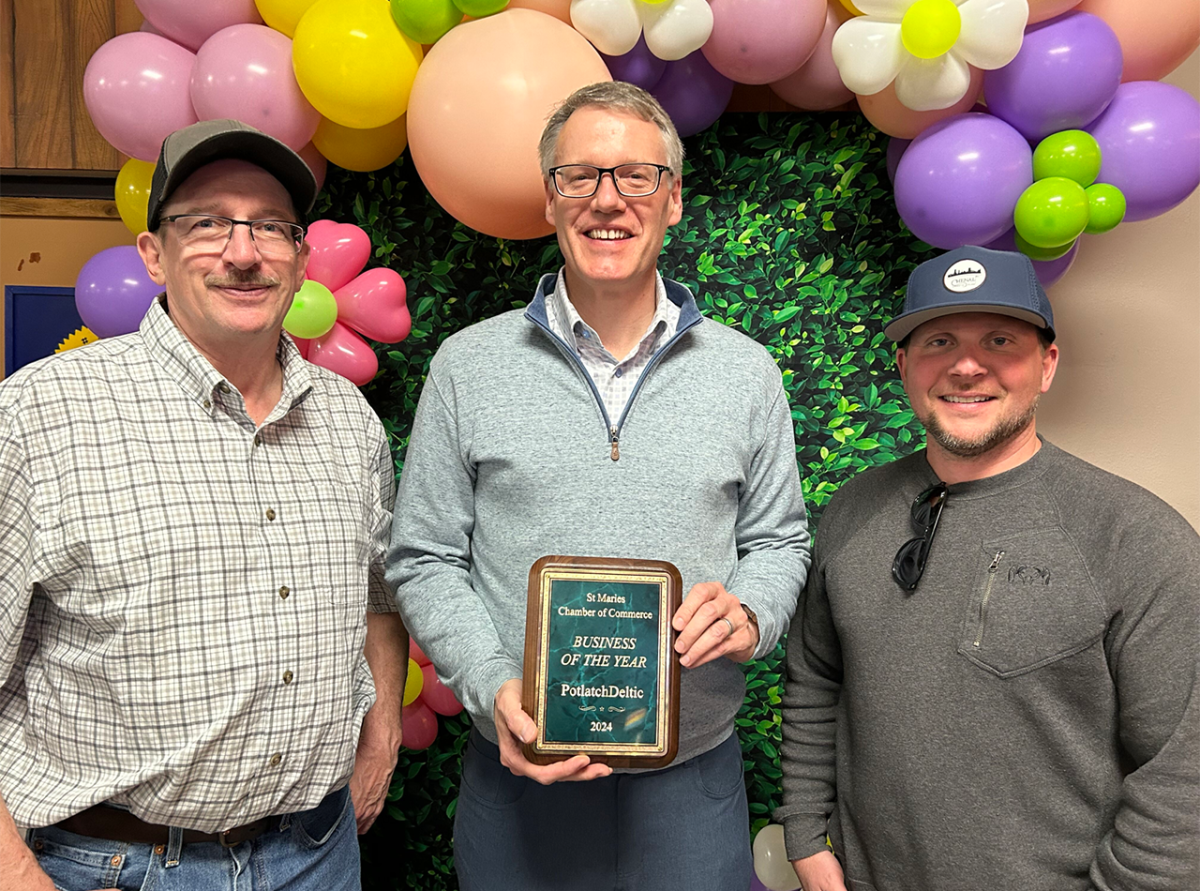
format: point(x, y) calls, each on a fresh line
point(513, 457)
point(1027, 718)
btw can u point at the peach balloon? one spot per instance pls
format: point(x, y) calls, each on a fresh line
point(1155, 37)
point(478, 106)
point(894, 118)
point(1040, 10)
point(817, 85)
point(560, 9)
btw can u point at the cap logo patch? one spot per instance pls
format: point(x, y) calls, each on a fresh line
point(965, 275)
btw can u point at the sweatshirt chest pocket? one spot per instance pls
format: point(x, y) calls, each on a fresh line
point(1032, 604)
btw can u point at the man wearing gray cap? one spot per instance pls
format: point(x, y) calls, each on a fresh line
point(992, 674)
point(201, 663)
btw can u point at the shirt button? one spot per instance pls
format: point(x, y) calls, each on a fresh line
point(257, 440)
point(270, 513)
point(223, 387)
point(284, 591)
point(618, 373)
point(276, 759)
point(206, 404)
point(287, 676)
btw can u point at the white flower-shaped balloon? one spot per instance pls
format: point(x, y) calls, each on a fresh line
point(926, 46)
point(674, 28)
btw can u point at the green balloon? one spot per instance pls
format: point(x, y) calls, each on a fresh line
point(426, 21)
point(1051, 212)
point(477, 9)
point(1074, 154)
point(1106, 207)
point(1037, 253)
point(313, 312)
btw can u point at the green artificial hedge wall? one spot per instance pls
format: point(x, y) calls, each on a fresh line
point(789, 233)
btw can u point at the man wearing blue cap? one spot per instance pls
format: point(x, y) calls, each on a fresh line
point(992, 677)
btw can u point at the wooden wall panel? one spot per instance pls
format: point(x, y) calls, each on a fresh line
point(8, 143)
point(43, 107)
point(91, 23)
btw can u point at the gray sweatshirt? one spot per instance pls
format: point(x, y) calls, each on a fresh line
point(1029, 716)
point(511, 459)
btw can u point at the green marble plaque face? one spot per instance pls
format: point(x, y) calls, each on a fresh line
point(602, 677)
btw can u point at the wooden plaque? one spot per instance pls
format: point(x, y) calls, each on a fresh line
point(601, 671)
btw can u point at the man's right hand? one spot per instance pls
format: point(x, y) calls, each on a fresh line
point(820, 872)
point(514, 727)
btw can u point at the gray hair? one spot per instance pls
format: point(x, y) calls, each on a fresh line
point(612, 95)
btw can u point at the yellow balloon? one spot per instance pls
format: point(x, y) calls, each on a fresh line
point(414, 683)
point(850, 7)
point(133, 194)
point(930, 27)
point(283, 15)
point(361, 150)
point(353, 63)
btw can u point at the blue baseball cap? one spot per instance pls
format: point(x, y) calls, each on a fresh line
point(973, 279)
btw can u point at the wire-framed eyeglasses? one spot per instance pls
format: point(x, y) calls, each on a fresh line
point(631, 180)
point(208, 232)
point(909, 564)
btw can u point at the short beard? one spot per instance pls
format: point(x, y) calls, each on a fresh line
point(1005, 430)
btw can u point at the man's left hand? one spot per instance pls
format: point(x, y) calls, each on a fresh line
point(373, 766)
point(711, 623)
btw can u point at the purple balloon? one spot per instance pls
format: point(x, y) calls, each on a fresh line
point(1048, 271)
point(114, 291)
point(959, 181)
point(1064, 76)
point(1150, 146)
point(639, 66)
point(895, 151)
point(693, 93)
point(756, 885)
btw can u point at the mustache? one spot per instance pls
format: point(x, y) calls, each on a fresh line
point(240, 278)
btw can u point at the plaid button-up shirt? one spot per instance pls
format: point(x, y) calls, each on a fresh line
point(614, 378)
point(182, 595)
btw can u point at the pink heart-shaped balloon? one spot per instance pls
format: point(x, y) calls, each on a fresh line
point(339, 251)
point(373, 305)
point(344, 352)
point(304, 345)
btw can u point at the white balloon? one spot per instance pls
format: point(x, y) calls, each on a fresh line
point(992, 31)
point(887, 9)
point(931, 84)
point(612, 26)
point(771, 864)
point(677, 28)
point(868, 53)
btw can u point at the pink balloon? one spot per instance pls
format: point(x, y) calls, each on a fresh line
point(304, 345)
point(816, 85)
point(416, 654)
point(136, 90)
point(344, 352)
point(339, 251)
point(244, 72)
point(150, 29)
point(373, 305)
point(419, 725)
point(437, 695)
point(190, 23)
point(316, 163)
point(762, 41)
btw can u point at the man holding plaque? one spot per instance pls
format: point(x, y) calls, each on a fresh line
point(992, 675)
point(607, 420)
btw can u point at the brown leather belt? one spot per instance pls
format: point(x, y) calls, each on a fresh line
point(115, 824)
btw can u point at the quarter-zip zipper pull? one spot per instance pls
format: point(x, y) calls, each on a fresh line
point(996, 561)
point(616, 448)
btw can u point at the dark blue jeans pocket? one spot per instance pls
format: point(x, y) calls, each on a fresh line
point(73, 862)
point(313, 828)
point(719, 770)
point(486, 779)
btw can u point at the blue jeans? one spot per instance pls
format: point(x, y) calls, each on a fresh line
point(314, 850)
point(685, 828)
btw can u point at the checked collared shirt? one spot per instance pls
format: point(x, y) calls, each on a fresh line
point(614, 378)
point(182, 595)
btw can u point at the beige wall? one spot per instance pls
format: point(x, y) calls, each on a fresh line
point(1127, 394)
point(51, 251)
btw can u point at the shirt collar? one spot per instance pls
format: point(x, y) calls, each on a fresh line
point(566, 322)
point(196, 375)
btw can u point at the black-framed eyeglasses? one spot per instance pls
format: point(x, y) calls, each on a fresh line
point(909, 565)
point(631, 180)
point(208, 232)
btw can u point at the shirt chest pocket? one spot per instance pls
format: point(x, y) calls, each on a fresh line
point(1032, 604)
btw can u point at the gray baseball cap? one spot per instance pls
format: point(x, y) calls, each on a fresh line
point(186, 151)
point(973, 279)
